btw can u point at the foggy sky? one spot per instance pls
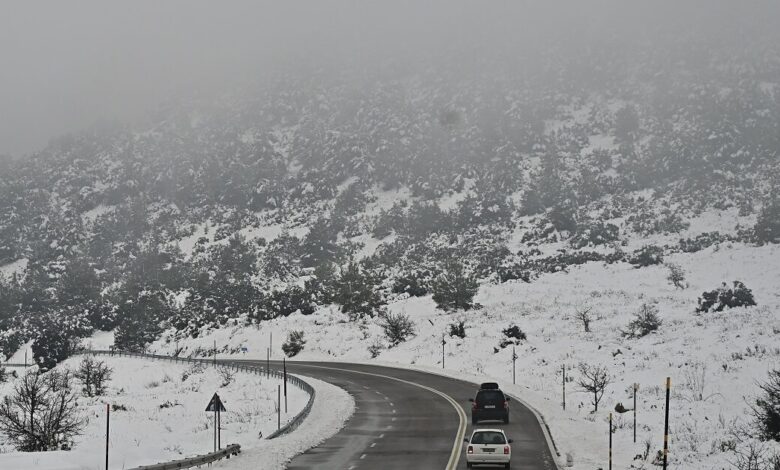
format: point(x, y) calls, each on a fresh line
point(65, 65)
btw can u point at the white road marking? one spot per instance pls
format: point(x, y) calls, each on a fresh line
point(381, 435)
point(373, 444)
point(362, 456)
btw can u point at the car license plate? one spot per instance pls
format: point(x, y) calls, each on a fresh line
point(489, 406)
point(488, 449)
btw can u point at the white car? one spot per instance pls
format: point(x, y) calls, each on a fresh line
point(488, 447)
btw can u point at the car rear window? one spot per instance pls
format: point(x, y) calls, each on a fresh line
point(490, 396)
point(488, 437)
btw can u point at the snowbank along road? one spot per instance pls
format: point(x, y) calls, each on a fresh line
point(409, 419)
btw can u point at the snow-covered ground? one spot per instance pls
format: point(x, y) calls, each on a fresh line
point(165, 419)
point(714, 360)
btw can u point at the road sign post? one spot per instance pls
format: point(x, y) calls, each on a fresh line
point(278, 407)
point(564, 386)
point(215, 405)
point(443, 342)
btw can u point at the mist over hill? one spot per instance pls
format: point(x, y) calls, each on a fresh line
point(354, 184)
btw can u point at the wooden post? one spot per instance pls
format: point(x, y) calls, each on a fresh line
point(666, 422)
point(278, 407)
point(108, 428)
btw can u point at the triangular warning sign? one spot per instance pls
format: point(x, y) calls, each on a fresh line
point(215, 404)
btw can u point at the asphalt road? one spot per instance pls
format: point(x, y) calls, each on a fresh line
point(411, 420)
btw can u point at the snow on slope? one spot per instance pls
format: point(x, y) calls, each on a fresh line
point(164, 419)
point(714, 359)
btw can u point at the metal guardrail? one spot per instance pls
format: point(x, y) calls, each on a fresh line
point(197, 461)
point(238, 367)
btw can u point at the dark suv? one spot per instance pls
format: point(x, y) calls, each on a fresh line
point(490, 404)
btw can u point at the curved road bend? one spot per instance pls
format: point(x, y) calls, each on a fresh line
point(405, 420)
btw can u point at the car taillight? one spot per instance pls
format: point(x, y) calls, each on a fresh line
point(471, 450)
point(506, 450)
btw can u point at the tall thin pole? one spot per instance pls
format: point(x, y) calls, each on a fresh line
point(278, 407)
point(443, 342)
point(564, 386)
point(284, 364)
point(215, 426)
point(268, 362)
point(25, 359)
point(514, 359)
point(636, 387)
point(666, 422)
point(219, 429)
point(610, 441)
point(108, 428)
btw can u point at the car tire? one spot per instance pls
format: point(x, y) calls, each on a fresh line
point(506, 421)
point(469, 465)
point(507, 465)
point(474, 420)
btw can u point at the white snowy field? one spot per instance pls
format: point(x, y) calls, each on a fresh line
point(715, 360)
point(164, 417)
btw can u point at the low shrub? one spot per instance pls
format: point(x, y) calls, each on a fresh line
point(294, 343)
point(397, 327)
point(645, 322)
point(724, 297)
point(513, 335)
point(647, 256)
point(458, 329)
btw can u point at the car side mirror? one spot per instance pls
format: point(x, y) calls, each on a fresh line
point(508, 399)
point(471, 400)
point(510, 440)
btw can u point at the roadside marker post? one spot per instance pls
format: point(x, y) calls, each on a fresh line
point(284, 365)
point(514, 359)
point(610, 441)
point(108, 428)
point(564, 386)
point(636, 389)
point(278, 407)
point(443, 342)
point(666, 422)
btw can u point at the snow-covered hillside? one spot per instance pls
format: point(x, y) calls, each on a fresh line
point(714, 359)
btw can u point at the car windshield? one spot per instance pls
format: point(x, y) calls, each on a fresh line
point(490, 396)
point(488, 437)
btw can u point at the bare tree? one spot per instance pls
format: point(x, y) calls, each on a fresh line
point(594, 380)
point(583, 316)
point(94, 376)
point(40, 414)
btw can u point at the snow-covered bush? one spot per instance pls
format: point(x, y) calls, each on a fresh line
point(645, 322)
point(724, 297)
point(294, 343)
point(397, 327)
point(595, 233)
point(513, 335)
point(458, 329)
point(676, 275)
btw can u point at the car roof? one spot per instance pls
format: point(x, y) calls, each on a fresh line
point(488, 430)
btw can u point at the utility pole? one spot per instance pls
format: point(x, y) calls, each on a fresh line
point(514, 359)
point(278, 407)
point(108, 425)
point(666, 422)
point(564, 386)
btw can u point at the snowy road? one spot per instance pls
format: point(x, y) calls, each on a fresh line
point(408, 419)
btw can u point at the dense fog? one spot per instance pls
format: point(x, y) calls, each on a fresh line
point(65, 66)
